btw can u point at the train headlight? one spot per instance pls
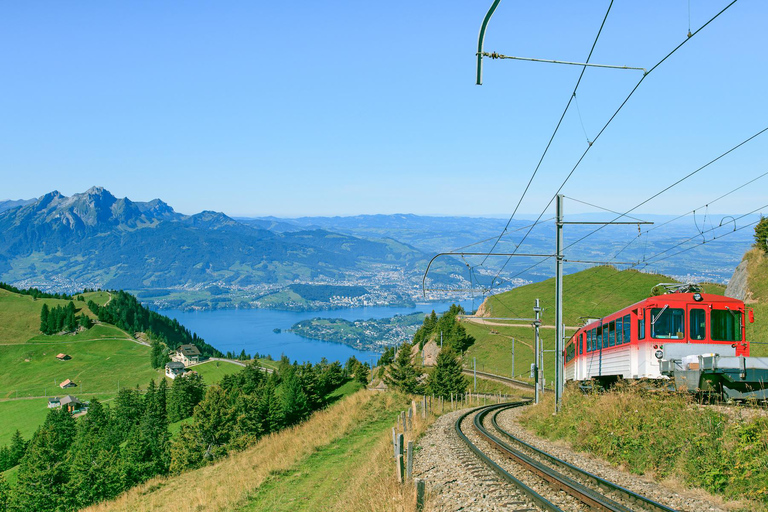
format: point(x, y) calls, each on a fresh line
point(659, 354)
point(697, 297)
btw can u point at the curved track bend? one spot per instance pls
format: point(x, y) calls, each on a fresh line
point(539, 477)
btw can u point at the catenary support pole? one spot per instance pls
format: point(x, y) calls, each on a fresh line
point(559, 305)
point(536, 351)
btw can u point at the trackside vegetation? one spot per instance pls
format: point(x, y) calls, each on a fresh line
point(724, 451)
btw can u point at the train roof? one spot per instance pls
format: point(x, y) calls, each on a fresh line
point(671, 299)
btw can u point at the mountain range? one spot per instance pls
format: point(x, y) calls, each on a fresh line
point(94, 239)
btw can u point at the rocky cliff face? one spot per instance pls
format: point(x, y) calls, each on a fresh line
point(737, 286)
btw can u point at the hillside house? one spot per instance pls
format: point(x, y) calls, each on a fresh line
point(174, 369)
point(54, 402)
point(187, 354)
point(67, 384)
point(63, 357)
point(71, 403)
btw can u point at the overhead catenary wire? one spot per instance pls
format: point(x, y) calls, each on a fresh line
point(613, 116)
point(650, 198)
point(554, 133)
point(689, 212)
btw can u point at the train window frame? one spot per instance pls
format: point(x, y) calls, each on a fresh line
point(627, 329)
point(726, 315)
point(612, 334)
point(670, 318)
point(691, 328)
point(620, 330)
point(641, 328)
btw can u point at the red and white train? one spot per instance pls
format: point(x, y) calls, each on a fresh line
point(632, 343)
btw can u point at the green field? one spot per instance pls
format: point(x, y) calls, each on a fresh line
point(214, 371)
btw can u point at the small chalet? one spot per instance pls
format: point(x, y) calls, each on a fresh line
point(174, 369)
point(67, 384)
point(71, 403)
point(63, 357)
point(54, 402)
point(187, 354)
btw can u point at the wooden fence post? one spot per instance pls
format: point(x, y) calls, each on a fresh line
point(409, 465)
point(394, 440)
point(424, 409)
point(420, 494)
point(400, 468)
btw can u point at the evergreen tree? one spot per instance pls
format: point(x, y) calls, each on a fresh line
point(761, 234)
point(5, 495)
point(128, 412)
point(156, 353)
point(5, 458)
point(447, 377)
point(17, 448)
point(187, 450)
point(94, 460)
point(44, 314)
point(186, 392)
point(402, 374)
point(215, 421)
point(43, 472)
point(293, 399)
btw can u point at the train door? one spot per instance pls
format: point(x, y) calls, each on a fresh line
point(697, 323)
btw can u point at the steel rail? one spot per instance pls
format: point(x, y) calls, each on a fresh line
point(537, 498)
point(586, 495)
point(600, 482)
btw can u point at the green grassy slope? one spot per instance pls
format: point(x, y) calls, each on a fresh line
point(214, 371)
point(757, 282)
point(594, 292)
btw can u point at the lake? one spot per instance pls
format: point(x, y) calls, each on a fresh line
point(253, 330)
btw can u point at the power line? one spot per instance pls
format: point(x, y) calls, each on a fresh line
point(688, 213)
point(657, 194)
point(613, 116)
point(557, 128)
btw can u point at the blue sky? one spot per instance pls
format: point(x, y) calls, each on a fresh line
point(342, 108)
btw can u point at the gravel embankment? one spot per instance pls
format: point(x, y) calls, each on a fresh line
point(457, 480)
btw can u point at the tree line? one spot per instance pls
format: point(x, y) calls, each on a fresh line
point(62, 319)
point(34, 292)
point(127, 313)
point(69, 464)
point(453, 334)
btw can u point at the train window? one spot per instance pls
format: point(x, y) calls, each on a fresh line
point(627, 330)
point(569, 352)
point(599, 337)
point(667, 323)
point(611, 334)
point(697, 319)
point(594, 339)
point(641, 329)
point(619, 331)
point(726, 325)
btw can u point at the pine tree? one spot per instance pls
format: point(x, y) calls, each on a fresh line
point(402, 374)
point(215, 420)
point(447, 377)
point(187, 450)
point(44, 314)
point(17, 448)
point(293, 398)
point(43, 472)
point(94, 460)
point(761, 234)
point(5, 495)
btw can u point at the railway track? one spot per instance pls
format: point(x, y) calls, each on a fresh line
point(539, 480)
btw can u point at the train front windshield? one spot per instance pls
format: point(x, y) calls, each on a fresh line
point(667, 323)
point(726, 325)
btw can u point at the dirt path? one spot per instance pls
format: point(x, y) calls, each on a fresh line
point(481, 321)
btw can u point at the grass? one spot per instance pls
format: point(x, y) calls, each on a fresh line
point(213, 371)
point(666, 436)
point(97, 365)
point(757, 282)
point(21, 315)
point(275, 454)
